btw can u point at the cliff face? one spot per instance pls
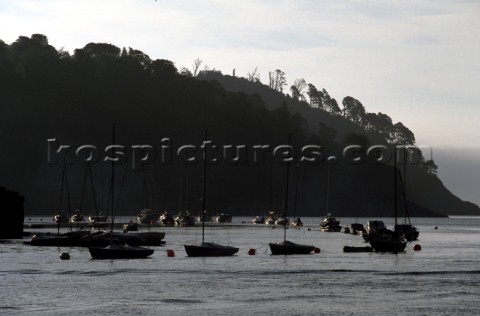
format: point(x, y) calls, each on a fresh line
point(11, 208)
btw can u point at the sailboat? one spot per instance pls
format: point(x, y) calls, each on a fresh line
point(407, 229)
point(147, 215)
point(287, 247)
point(184, 218)
point(385, 240)
point(329, 223)
point(117, 250)
point(208, 249)
point(69, 239)
point(297, 221)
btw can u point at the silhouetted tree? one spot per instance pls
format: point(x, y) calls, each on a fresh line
point(329, 104)
point(196, 66)
point(277, 80)
point(402, 135)
point(354, 110)
point(315, 96)
point(186, 72)
point(253, 76)
point(298, 88)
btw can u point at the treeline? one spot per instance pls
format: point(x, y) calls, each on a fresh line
point(320, 99)
point(47, 93)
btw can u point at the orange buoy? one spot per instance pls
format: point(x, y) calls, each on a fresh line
point(316, 250)
point(170, 253)
point(252, 251)
point(417, 247)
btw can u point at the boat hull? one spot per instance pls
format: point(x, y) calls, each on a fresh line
point(120, 252)
point(290, 248)
point(389, 242)
point(388, 246)
point(210, 250)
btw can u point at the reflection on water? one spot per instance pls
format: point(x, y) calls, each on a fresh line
point(442, 279)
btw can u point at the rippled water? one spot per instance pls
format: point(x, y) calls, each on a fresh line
point(441, 279)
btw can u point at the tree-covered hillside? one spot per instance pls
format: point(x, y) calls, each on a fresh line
point(48, 94)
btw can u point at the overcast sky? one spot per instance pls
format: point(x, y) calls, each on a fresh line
point(417, 61)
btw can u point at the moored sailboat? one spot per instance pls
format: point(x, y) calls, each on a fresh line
point(406, 228)
point(207, 249)
point(329, 223)
point(117, 250)
point(385, 240)
point(287, 247)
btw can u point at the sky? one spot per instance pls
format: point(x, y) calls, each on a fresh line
point(416, 61)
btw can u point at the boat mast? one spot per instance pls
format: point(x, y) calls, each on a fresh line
point(395, 185)
point(145, 188)
point(286, 194)
point(68, 193)
point(271, 187)
point(204, 185)
point(181, 183)
point(404, 187)
point(296, 193)
point(328, 188)
point(187, 188)
point(221, 197)
point(61, 200)
point(112, 180)
point(93, 192)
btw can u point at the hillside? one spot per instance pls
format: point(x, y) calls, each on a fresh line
point(426, 191)
point(50, 98)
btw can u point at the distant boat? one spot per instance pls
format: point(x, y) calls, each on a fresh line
point(98, 221)
point(60, 219)
point(199, 218)
point(297, 222)
point(224, 217)
point(69, 239)
point(287, 247)
point(207, 249)
point(116, 250)
point(271, 218)
point(147, 216)
point(210, 249)
point(166, 219)
point(77, 217)
point(357, 229)
point(330, 224)
point(258, 220)
point(385, 240)
point(130, 227)
point(184, 219)
point(282, 221)
point(371, 228)
point(407, 229)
